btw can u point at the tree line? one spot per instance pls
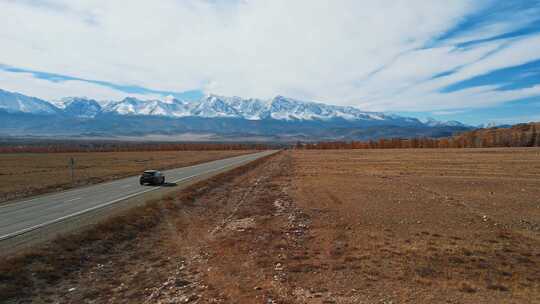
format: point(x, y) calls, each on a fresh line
point(521, 135)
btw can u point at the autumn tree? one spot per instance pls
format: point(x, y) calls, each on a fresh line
point(534, 136)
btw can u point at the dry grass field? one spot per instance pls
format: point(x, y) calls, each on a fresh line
point(422, 226)
point(347, 226)
point(24, 174)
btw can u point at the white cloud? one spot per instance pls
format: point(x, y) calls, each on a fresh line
point(26, 84)
point(317, 49)
point(426, 96)
point(498, 23)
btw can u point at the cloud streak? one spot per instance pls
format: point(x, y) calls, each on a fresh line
point(384, 55)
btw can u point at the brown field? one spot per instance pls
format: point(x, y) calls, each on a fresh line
point(24, 174)
point(348, 226)
point(423, 226)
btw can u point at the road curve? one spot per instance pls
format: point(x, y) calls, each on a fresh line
point(20, 217)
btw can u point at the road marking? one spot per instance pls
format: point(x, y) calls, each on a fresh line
point(53, 195)
point(60, 219)
point(73, 199)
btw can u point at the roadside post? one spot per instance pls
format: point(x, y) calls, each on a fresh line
point(72, 169)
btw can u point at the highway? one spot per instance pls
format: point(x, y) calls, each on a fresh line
point(20, 217)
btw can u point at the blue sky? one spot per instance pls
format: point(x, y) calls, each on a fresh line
point(473, 61)
point(523, 110)
point(124, 88)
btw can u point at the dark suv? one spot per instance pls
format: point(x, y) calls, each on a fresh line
point(152, 177)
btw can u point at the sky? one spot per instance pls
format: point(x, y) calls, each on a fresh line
point(472, 61)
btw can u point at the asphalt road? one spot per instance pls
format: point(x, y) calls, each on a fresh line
point(23, 216)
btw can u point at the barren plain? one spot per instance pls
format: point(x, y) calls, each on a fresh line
point(337, 226)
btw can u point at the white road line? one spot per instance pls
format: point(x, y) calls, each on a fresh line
point(22, 231)
point(73, 199)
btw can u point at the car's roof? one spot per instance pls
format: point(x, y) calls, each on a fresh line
point(151, 171)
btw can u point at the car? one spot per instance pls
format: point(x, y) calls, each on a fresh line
point(152, 177)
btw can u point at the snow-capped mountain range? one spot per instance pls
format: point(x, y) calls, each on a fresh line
point(436, 123)
point(210, 106)
point(278, 118)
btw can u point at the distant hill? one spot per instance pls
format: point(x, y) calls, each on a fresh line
point(213, 116)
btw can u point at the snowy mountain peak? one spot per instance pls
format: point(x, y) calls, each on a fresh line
point(81, 107)
point(169, 99)
point(215, 106)
point(14, 102)
point(436, 123)
point(209, 106)
point(133, 106)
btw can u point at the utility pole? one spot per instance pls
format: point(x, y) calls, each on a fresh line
point(72, 169)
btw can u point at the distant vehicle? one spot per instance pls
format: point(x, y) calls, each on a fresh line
point(152, 177)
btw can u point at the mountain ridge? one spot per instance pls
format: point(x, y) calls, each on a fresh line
point(211, 105)
point(225, 117)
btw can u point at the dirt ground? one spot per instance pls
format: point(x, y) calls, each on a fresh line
point(422, 226)
point(364, 226)
point(25, 174)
